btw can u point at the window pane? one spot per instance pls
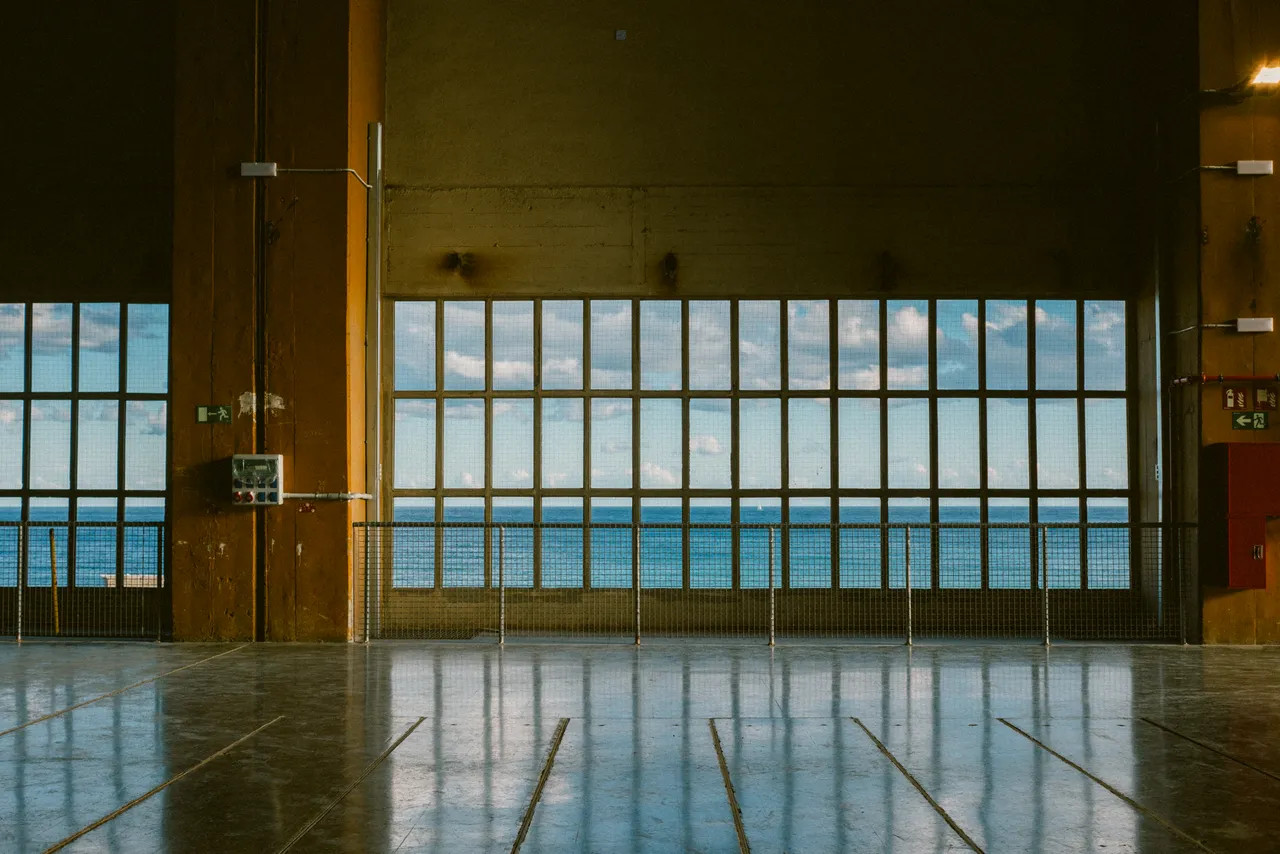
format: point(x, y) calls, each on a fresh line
point(958, 443)
point(1009, 553)
point(710, 442)
point(913, 511)
point(97, 447)
point(858, 337)
point(51, 347)
point(1056, 344)
point(1057, 445)
point(808, 344)
point(1109, 556)
point(415, 444)
point(463, 548)
point(516, 563)
point(860, 547)
point(413, 550)
point(415, 340)
point(99, 347)
point(147, 371)
point(463, 444)
point(610, 547)
point(513, 345)
point(1104, 346)
point(1106, 432)
point(809, 549)
point(11, 420)
point(909, 443)
point(710, 549)
point(908, 343)
point(809, 437)
point(859, 443)
point(959, 549)
point(513, 443)
point(710, 365)
point(760, 432)
point(1006, 343)
point(611, 444)
point(464, 345)
point(50, 444)
point(562, 443)
point(562, 344)
point(13, 346)
point(660, 443)
point(144, 444)
point(562, 547)
point(95, 547)
point(1007, 461)
point(759, 338)
point(1062, 545)
point(611, 344)
point(958, 344)
point(753, 543)
point(661, 549)
point(660, 345)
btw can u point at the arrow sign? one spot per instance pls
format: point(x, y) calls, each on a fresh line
point(1249, 421)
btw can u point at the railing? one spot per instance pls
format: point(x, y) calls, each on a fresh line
point(892, 582)
point(82, 579)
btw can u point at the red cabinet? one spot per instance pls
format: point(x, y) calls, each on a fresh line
point(1239, 490)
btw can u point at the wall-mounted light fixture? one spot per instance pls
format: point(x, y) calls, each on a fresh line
point(1265, 81)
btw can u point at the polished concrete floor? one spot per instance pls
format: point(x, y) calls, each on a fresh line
point(463, 747)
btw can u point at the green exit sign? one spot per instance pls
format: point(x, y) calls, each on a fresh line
point(213, 414)
point(1249, 421)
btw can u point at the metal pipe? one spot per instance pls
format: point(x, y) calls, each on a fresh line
point(502, 587)
point(334, 171)
point(53, 578)
point(771, 593)
point(373, 359)
point(906, 544)
point(1194, 379)
point(330, 496)
point(23, 534)
point(1044, 578)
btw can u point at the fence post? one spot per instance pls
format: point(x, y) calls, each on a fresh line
point(1180, 568)
point(906, 543)
point(772, 610)
point(161, 587)
point(502, 586)
point(1044, 578)
point(635, 573)
point(22, 567)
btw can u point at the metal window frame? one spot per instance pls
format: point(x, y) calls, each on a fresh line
point(734, 495)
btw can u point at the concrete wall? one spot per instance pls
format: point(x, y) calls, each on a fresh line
point(1237, 275)
point(994, 145)
point(88, 151)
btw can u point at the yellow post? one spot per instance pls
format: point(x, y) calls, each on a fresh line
point(53, 565)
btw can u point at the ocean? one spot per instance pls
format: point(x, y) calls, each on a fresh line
point(808, 554)
point(96, 548)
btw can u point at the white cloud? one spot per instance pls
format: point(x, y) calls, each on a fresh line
point(663, 476)
point(705, 444)
point(909, 326)
point(511, 372)
point(520, 475)
point(470, 481)
point(469, 367)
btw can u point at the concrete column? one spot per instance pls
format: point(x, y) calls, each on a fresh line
point(268, 310)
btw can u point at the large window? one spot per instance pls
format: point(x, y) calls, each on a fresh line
point(83, 412)
point(766, 411)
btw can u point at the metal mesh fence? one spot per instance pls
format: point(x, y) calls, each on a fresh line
point(888, 582)
point(82, 579)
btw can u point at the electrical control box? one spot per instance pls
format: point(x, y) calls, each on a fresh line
point(257, 479)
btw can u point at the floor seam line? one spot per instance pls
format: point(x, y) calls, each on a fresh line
point(1110, 788)
point(114, 693)
point(116, 813)
point(369, 769)
point(951, 822)
point(1210, 748)
point(527, 821)
point(743, 845)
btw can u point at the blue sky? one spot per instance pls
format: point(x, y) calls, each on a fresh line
point(99, 420)
point(809, 366)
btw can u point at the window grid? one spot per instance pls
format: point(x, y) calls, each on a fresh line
point(29, 495)
point(883, 394)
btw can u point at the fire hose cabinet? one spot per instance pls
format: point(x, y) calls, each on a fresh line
point(1239, 491)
